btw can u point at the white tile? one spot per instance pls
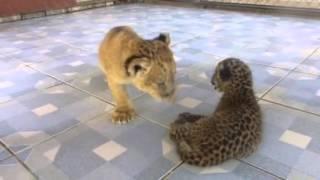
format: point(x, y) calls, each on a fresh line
point(203, 76)
point(225, 167)
point(44, 51)
point(76, 63)
point(295, 139)
point(6, 84)
point(45, 83)
point(52, 153)
point(4, 99)
point(87, 81)
point(318, 93)
point(169, 151)
point(44, 110)
point(18, 42)
point(189, 102)
point(109, 150)
point(297, 175)
point(55, 91)
point(177, 58)
point(28, 134)
point(69, 74)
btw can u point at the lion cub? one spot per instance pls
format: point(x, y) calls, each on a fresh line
point(232, 131)
point(126, 58)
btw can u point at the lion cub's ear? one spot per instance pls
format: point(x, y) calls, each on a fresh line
point(164, 37)
point(137, 66)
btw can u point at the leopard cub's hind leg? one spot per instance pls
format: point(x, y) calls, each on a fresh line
point(187, 117)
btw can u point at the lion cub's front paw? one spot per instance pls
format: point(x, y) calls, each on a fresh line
point(123, 115)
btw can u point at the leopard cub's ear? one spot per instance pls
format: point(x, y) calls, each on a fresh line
point(224, 72)
point(164, 37)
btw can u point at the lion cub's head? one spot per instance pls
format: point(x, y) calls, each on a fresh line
point(153, 68)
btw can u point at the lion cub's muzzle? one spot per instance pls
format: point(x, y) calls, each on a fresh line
point(169, 95)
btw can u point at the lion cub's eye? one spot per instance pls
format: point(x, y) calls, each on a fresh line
point(161, 84)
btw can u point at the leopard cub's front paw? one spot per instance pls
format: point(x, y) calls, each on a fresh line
point(173, 132)
point(123, 115)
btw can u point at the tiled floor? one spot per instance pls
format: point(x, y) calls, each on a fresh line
point(55, 106)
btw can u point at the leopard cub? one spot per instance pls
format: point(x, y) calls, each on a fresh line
point(232, 131)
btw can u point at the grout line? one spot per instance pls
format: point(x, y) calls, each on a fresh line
point(170, 171)
point(185, 41)
point(260, 169)
point(274, 85)
point(154, 122)
point(290, 72)
point(97, 97)
point(13, 155)
point(290, 107)
point(179, 164)
point(16, 154)
point(73, 86)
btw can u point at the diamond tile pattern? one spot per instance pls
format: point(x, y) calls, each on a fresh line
point(285, 3)
point(55, 103)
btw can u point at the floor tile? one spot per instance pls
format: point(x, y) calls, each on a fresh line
point(41, 114)
point(35, 107)
point(304, 164)
point(196, 87)
point(90, 150)
point(228, 170)
point(298, 90)
point(264, 77)
point(296, 175)
point(21, 79)
point(296, 139)
point(64, 67)
point(97, 85)
point(312, 64)
point(109, 150)
point(287, 135)
point(11, 169)
point(4, 154)
point(165, 112)
point(290, 57)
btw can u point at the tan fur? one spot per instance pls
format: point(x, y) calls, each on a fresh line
point(126, 58)
point(234, 129)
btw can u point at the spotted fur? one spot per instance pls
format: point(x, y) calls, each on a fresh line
point(232, 131)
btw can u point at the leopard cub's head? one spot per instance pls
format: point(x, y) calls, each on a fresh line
point(153, 70)
point(231, 74)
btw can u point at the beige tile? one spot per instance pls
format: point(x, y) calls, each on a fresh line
point(318, 92)
point(76, 63)
point(6, 84)
point(4, 99)
point(189, 102)
point(109, 150)
point(44, 110)
point(297, 175)
point(52, 153)
point(69, 74)
point(295, 139)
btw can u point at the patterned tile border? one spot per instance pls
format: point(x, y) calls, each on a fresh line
point(305, 9)
point(81, 5)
